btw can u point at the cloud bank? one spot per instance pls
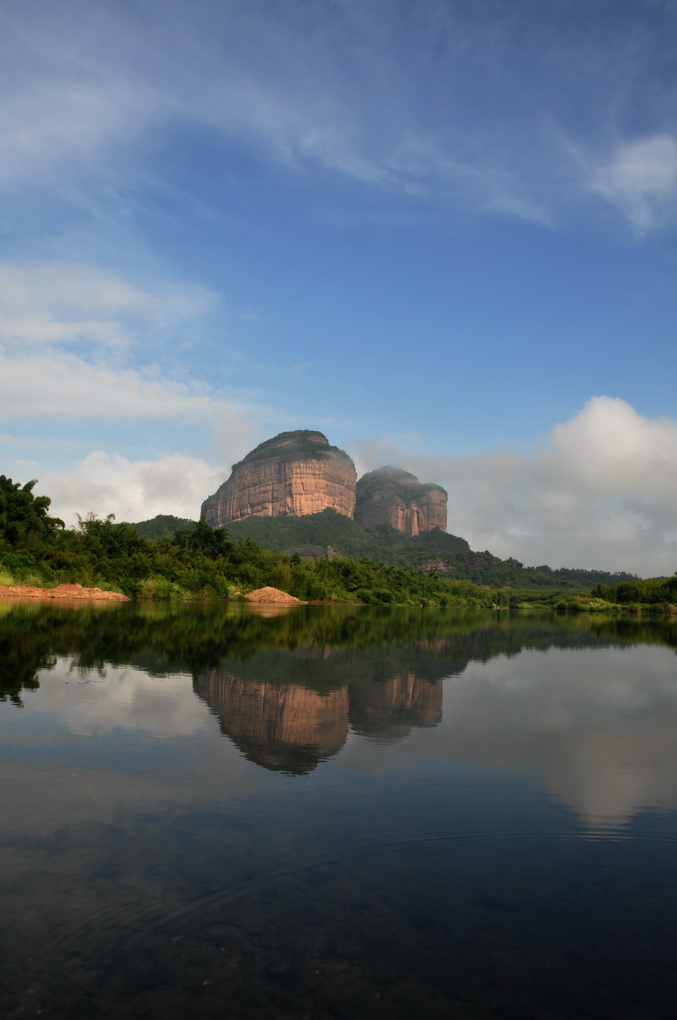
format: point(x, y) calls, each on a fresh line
point(600, 493)
point(107, 483)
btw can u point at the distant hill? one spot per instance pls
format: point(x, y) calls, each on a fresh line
point(344, 536)
point(163, 526)
point(330, 533)
point(333, 534)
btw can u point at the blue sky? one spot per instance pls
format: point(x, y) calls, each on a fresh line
point(441, 232)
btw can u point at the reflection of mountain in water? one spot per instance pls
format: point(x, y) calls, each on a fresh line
point(284, 728)
point(388, 710)
point(333, 642)
point(290, 728)
point(595, 730)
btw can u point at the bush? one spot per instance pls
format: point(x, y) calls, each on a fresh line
point(159, 589)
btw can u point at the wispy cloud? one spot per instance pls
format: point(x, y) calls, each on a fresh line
point(81, 345)
point(640, 180)
point(67, 303)
point(462, 107)
point(66, 387)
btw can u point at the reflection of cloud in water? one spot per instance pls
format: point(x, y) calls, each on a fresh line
point(120, 697)
point(594, 727)
point(601, 742)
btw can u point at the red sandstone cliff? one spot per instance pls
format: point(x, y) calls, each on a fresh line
point(295, 473)
point(397, 499)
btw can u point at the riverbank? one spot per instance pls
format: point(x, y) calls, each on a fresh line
point(61, 591)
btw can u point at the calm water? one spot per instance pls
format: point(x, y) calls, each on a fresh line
point(323, 813)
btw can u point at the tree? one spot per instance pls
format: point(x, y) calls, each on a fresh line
point(23, 514)
point(211, 542)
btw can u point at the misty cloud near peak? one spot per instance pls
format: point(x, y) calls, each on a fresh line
point(599, 493)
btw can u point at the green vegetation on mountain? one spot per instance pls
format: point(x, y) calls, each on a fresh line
point(163, 526)
point(446, 554)
point(298, 445)
point(406, 486)
point(333, 534)
point(344, 536)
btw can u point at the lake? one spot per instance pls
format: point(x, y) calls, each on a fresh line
point(327, 813)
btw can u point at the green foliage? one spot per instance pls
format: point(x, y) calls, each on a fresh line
point(329, 532)
point(297, 445)
point(23, 516)
point(160, 589)
point(163, 526)
point(312, 534)
point(660, 592)
point(382, 567)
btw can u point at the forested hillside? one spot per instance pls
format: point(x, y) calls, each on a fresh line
point(332, 534)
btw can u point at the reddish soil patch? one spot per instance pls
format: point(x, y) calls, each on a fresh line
point(272, 595)
point(62, 591)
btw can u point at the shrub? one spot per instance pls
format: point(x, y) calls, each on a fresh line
point(160, 589)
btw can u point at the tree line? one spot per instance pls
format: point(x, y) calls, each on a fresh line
point(196, 562)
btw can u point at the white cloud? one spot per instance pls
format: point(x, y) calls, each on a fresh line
point(82, 343)
point(601, 493)
point(66, 387)
point(641, 181)
point(68, 303)
point(106, 483)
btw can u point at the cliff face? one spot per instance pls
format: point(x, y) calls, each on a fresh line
point(295, 473)
point(397, 499)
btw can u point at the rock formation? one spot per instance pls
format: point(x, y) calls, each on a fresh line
point(397, 499)
point(295, 473)
point(299, 473)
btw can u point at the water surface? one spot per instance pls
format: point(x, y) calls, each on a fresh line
point(329, 813)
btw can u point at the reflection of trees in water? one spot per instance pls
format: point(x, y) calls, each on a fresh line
point(19, 668)
point(326, 641)
point(287, 688)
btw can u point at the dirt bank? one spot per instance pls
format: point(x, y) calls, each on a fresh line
point(62, 591)
point(272, 595)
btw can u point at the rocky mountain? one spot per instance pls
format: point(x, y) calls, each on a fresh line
point(396, 498)
point(297, 474)
point(294, 473)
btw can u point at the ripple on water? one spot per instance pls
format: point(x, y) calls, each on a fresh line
point(474, 923)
